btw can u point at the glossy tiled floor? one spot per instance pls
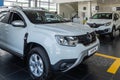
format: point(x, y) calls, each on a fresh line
point(94, 68)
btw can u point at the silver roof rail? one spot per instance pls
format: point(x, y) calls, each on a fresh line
point(21, 8)
point(35, 8)
point(16, 7)
point(9, 7)
point(2, 7)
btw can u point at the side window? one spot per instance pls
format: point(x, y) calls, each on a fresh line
point(35, 17)
point(4, 16)
point(16, 17)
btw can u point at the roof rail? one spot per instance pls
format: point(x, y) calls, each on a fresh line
point(18, 7)
point(9, 7)
point(36, 8)
point(41, 8)
point(21, 8)
point(1, 7)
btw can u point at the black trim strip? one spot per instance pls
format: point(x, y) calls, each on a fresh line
point(25, 42)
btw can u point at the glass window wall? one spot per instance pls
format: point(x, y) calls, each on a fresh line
point(47, 4)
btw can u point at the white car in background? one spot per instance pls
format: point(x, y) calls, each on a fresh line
point(105, 23)
point(76, 19)
point(46, 40)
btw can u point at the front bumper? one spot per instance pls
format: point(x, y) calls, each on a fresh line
point(67, 64)
point(80, 59)
point(100, 29)
point(103, 32)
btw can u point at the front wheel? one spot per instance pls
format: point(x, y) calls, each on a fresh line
point(38, 64)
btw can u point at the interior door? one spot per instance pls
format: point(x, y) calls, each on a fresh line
point(15, 34)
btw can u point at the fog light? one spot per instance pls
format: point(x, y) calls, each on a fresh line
point(65, 66)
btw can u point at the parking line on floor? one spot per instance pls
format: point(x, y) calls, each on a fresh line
point(105, 56)
point(115, 66)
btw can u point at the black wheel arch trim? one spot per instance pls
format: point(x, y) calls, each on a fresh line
point(25, 43)
point(28, 46)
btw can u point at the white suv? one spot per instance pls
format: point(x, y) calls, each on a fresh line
point(46, 40)
point(105, 23)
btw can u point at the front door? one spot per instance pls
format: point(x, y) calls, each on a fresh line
point(15, 34)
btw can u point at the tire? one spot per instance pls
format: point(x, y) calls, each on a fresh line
point(38, 64)
point(113, 33)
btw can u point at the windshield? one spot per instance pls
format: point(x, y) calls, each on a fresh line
point(102, 16)
point(38, 17)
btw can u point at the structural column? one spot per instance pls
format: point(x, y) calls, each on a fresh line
point(29, 3)
point(89, 8)
point(35, 3)
point(58, 8)
point(48, 4)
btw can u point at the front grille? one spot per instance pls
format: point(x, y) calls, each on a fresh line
point(94, 25)
point(87, 38)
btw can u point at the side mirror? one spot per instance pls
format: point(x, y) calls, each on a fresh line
point(18, 23)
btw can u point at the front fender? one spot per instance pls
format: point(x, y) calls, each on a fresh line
point(45, 40)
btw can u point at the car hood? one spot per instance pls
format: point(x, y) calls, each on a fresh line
point(66, 28)
point(99, 21)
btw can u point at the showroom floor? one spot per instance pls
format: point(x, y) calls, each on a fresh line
point(101, 66)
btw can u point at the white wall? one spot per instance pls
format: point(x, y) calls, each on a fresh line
point(66, 10)
point(90, 9)
point(107, 8)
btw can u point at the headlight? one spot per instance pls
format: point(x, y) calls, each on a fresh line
point(67, 40)
point(107, 24)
